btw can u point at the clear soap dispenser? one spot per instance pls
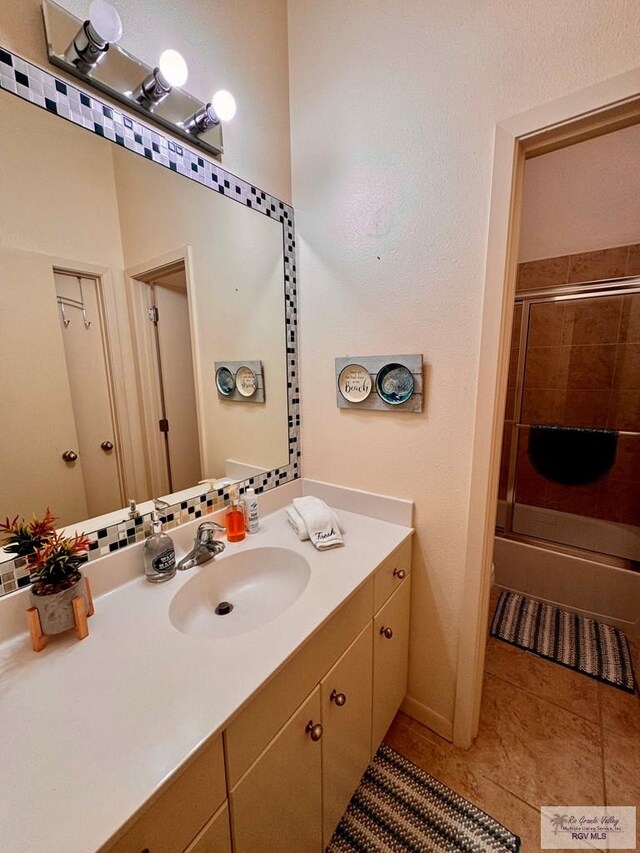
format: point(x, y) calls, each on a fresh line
point(159, 553)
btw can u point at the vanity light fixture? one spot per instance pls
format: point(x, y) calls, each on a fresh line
point(221, 108)
point(88, 50)
point(91, 42)
point(171, 71)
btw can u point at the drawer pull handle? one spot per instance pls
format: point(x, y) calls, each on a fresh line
point(400, 574)
point(386, 632)
point(339, 698)
point(314, 730)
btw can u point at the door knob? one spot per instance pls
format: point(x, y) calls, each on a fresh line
point(69, 456)
point(314, 730)
point(339, 698)
point(107, 446)
point(399, 573)
point(386, 632)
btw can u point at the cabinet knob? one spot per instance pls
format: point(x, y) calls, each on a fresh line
point(69, 456)
point(386, 632)
point(314, 730)
point(400, 574)
point(107, 446)
point(339, 698)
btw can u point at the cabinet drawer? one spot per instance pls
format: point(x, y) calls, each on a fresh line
point(385, 581)
point(216, 836)
point(179, 813)
point(390, 660)
point(247, 735)
point(277, 805)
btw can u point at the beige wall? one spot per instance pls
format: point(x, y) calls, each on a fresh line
point(237, 293)
point(393, 113)
point(240, 46)
point(582, 198)
point(42, 223)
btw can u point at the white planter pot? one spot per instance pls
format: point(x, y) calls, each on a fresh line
point(56, 610)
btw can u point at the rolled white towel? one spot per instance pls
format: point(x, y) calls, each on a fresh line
point(323, 525)
point(296, 522)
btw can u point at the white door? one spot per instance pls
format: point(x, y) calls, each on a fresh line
point(85, 350)
point(177, 378)
point(35, 403)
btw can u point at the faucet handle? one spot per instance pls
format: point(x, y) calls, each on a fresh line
point(207, 531)
point(160, 504)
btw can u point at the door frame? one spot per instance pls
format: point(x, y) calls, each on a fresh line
point(598, 109)
point(145, 273)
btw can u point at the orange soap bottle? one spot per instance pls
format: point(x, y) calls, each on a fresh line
point(234, 519)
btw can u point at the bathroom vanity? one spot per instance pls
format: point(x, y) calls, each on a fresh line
point(248, 742)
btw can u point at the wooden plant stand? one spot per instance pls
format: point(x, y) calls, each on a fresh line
point(80, 614)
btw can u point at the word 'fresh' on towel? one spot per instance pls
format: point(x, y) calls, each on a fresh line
point(312, 519)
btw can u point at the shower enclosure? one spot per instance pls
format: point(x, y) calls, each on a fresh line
point(569, 495)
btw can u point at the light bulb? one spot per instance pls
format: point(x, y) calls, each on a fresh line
point(105, 21)
point(173, 68)
point(224, 105)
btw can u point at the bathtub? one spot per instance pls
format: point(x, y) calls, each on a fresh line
point(578, 584)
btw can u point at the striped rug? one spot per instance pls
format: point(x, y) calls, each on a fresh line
point(398, 808)
point(590, 647)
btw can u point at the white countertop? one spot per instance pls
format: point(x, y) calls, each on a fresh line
point(90, 730)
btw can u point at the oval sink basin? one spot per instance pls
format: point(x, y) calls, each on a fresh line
point(236, 594)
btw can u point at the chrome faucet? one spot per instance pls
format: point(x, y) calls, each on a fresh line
point(205, 546)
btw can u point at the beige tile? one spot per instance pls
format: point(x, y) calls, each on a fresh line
point(630, 322)
point(620, 711)
point(621, 769)
point(546, 323)
point(624, 412)
point(539, 406)
point(591, 366)
point(546, 367)
point(544, 273)
point(442, 760)
point(538, 751)
point(595, 266)
point(592, 321)
point(561, 686)
point(627, 375)
point(633, 260)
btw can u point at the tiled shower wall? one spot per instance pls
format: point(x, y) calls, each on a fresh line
point(582, 369)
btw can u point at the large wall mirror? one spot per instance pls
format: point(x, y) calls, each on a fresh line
point(123, 284)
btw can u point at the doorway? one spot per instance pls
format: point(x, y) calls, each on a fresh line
point(596, 110)
point(167, 377)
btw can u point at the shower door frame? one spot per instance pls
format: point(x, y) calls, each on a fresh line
point(527, 298)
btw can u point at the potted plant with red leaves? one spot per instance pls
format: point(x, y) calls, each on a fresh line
point(57, 580)
point(23, 538)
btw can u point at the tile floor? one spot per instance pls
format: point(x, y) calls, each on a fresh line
point(547, 735)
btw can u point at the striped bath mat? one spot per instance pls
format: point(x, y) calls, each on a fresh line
point(398, 807)
point(590, 647)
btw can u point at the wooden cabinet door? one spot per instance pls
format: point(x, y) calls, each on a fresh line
point(346, 718)
point(277, 805)
point(215, 837)
point(390, 660)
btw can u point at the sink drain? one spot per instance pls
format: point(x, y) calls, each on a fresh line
point(223, 608)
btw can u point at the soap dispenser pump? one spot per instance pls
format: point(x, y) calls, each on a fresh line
point(234, 519)
point(159, 553)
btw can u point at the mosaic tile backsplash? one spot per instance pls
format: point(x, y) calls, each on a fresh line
point(70, 102)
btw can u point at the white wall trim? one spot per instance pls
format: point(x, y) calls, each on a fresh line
point(434, 721)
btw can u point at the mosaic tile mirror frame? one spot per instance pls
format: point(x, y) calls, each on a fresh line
point(56, 95)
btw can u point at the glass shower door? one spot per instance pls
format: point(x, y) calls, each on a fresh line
point(572, 469)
